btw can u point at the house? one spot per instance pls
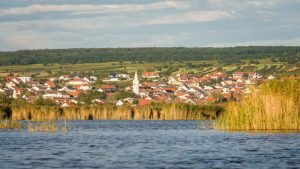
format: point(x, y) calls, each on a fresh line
point(55, 95)
point(17, 81)
point(238, 75)
point(182, 94)
point(50, 84)
point(123, 76)
point(119, 103)
point(178, 80)
point(211, 99)
point(109, 88)
point(150, 75)
point(17, 92)
point(194, 82)
point(190, 101)
point(93, 78)
point(52, 79)
point(10, 85)
point(112, 78)
point(64, 78)
point(2, 90)
point(208, 88)
point(83, 87)
point(169, 90)
point(150, 84)
point(98, 101)
point(74, 94)
point(25, 79)
point(217, 75)
point(77, 81)
point(68, 104)
point(271, 77)
point(36, 88)
point(143, 102)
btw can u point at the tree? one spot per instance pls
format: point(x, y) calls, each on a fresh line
point(40, 101)
point(122, 95)
point(135, 101)
point(5, 99)
point(245, 76)
point(89, 96)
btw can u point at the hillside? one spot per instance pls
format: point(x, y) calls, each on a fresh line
point(92, 55)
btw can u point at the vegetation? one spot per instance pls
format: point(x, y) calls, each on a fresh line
point(88, 96)
point(40, 101)
point(4, 99)
point(94, 55)
point(10, 124)
point(48, 126)
point(274, 107)
point(122, 95)
point(157, 111)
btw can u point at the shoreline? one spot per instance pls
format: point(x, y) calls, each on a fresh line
point(151, 112)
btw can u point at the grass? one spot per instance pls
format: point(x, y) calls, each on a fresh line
point(10, 124)
point(274, 107)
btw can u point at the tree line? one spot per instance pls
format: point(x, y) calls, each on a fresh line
point(93, 55)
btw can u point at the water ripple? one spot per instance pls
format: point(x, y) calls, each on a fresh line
point(148, 144)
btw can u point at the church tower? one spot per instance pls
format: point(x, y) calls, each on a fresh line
point(136, 84)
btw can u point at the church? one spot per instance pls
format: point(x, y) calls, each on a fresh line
point(136, 84)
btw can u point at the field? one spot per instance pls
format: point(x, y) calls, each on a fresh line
point(101, 70)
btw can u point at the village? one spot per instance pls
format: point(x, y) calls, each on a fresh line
point(148, 87)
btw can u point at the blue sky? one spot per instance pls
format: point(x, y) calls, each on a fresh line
point(40, 24)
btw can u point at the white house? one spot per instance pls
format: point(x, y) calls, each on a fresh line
point(77, 82)
point(271, 77)
point(25, 79)
point(85, 87)
point(119, 103)
point(123, 75)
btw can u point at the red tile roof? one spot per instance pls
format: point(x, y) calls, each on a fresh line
point(144, 102)
point(150, 74)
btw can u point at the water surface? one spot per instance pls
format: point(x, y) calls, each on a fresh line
point(148, 144)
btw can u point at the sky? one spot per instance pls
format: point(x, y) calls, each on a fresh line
point(47, 24)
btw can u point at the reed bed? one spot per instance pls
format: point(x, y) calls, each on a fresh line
point(47, 126)
point(156, 111)
point(10, 124)
point(275, 106)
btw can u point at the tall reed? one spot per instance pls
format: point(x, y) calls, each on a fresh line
point(47, 126)
point(157, 111)
point(10, 124)
point(275, 106)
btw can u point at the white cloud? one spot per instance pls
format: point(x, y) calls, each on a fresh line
point(283, 42)
point(195, 16)
point(42, 40)
point(88, 8)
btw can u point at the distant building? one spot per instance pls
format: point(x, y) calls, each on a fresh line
point(77, 82)
point(238, 75)
point(109, 88)
point(136, 84)
point(271, 77)
point(150, 75)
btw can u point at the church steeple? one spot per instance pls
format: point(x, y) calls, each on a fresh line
point(136, 84)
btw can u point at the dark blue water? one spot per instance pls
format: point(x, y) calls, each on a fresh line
point(148, 144)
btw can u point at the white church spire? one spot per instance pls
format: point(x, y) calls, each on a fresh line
point(136, 84)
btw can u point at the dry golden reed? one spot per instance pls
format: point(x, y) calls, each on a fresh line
point(46, 126)
point(151, 112)
point(10, 124)
point(275, 106)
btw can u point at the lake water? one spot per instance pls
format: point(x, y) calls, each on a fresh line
point(148, 144)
